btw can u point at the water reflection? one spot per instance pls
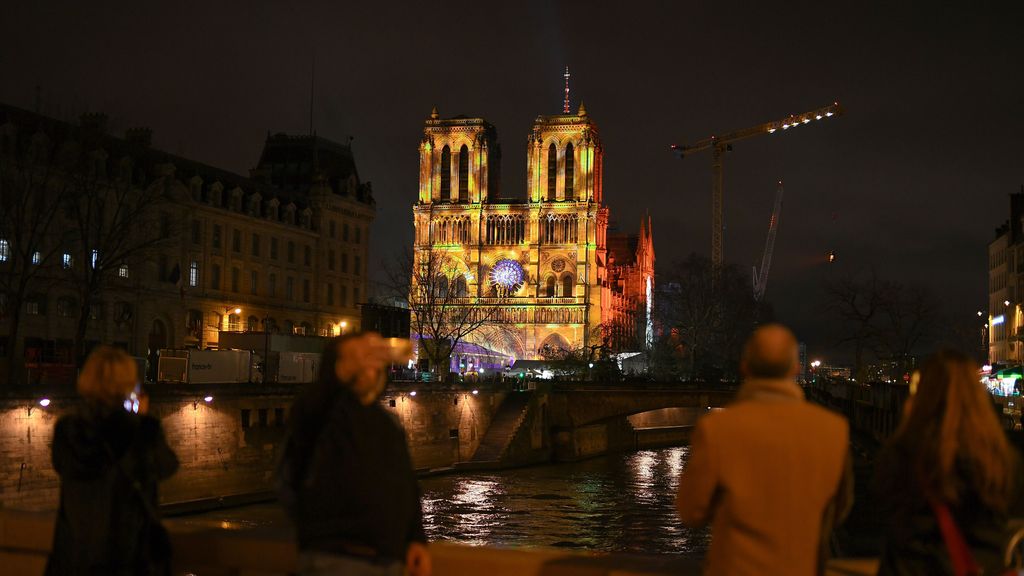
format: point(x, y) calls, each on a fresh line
point(621, 503)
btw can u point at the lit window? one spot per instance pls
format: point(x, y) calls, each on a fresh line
point(122, 271)
point(95, 257)
point(66, 261)
point(193, 274)
point(37, 257)
point(5, 250)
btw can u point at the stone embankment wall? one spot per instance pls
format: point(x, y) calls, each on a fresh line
point(229, 446)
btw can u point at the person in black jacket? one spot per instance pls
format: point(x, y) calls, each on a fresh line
point(110, 456)
point(346, 475)
point(948, 459)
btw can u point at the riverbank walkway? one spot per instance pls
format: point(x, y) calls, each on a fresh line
point(25, 539)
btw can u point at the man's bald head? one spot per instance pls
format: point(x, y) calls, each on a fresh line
point(771, 352)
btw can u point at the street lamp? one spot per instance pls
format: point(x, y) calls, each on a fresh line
point(344, 324)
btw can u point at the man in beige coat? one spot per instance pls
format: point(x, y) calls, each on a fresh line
point(771, 472)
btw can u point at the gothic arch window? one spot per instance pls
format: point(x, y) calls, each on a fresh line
point(464, 174)
point(552, 171)
point(450, 230)
point(549, 289)
point(446, 173)
point(559, 229)
point(459, 288)
point(570, 172)
point(441, 288)
point(567, 284)
point(506, 229)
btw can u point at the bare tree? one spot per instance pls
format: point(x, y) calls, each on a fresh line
point(705, 318)
point(443, 312)
point(119, 223)
point(885, 318)
point(33, 192)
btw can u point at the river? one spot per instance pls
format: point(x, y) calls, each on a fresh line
point(614, 503)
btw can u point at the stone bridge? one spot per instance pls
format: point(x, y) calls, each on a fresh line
point(576, 407)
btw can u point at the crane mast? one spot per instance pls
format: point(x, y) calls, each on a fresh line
point(721, 144)
point(761, 276)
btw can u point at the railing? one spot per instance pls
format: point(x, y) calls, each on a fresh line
point(25, 539)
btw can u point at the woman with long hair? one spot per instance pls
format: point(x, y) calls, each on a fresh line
point(948, 480)
point(110, 456)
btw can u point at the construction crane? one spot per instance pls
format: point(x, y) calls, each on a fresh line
point(721, 144)
point(761, 276)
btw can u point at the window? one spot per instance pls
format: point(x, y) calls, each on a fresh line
point(505, 229)
point(570, 172)
point(254, 283)
point(453, 433)
point(252, 324)
point(256, 245)
point(35, 306)
point(549, 290)
point(236, 240)
point(5, 250)
point(272, 285)
point(446, 173)
point(95, 312)
point(193, 273)
point(359, 234)
point(567, 285)
point(246, 418)
point(344, 262)
point(197, 232)
point(278, 416)
point(95, 258)
point(330, 294)
point(122, 271)
point(66, 261)
point(330, 259)
point(235, 273)
point(463, 178)
point(65, 307)
point(355, 295)
point(357, 266)
point(263, 417)
point(344, 232)
point(307, 255)
point(215, 277)
point(216, 236)
point(343, 295)
point(289, 288)
point(552, 170)
point(273, 248)
point(391, 403)
point(331, 228)
point(559, 229)
point(305, 290)
point(291, 252)
point(37, 257)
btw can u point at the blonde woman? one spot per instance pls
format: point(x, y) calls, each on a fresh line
point(110, 456)
point(948, 480)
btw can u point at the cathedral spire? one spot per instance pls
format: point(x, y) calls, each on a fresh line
point(565, 106)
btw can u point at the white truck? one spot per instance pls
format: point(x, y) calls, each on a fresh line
point(206, 366)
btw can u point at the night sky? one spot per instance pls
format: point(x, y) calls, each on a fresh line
point(910, 182)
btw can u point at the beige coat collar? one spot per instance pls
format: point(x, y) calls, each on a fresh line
point(769, 389)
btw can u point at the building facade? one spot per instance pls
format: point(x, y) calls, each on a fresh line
point(281, 250)
point(1006, 287)
point(546, 260)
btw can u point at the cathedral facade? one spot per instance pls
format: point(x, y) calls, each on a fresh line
point(544, 264)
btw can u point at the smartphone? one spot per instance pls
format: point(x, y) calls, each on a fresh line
point(131, 403)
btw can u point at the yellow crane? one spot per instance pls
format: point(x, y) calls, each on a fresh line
point(721, 144)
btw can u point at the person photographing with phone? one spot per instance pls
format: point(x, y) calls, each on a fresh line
point(345, 476)
point(110, 456)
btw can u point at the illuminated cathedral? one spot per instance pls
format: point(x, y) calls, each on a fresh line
point(557, 278)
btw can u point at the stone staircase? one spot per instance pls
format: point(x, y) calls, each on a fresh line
point(503, 427)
